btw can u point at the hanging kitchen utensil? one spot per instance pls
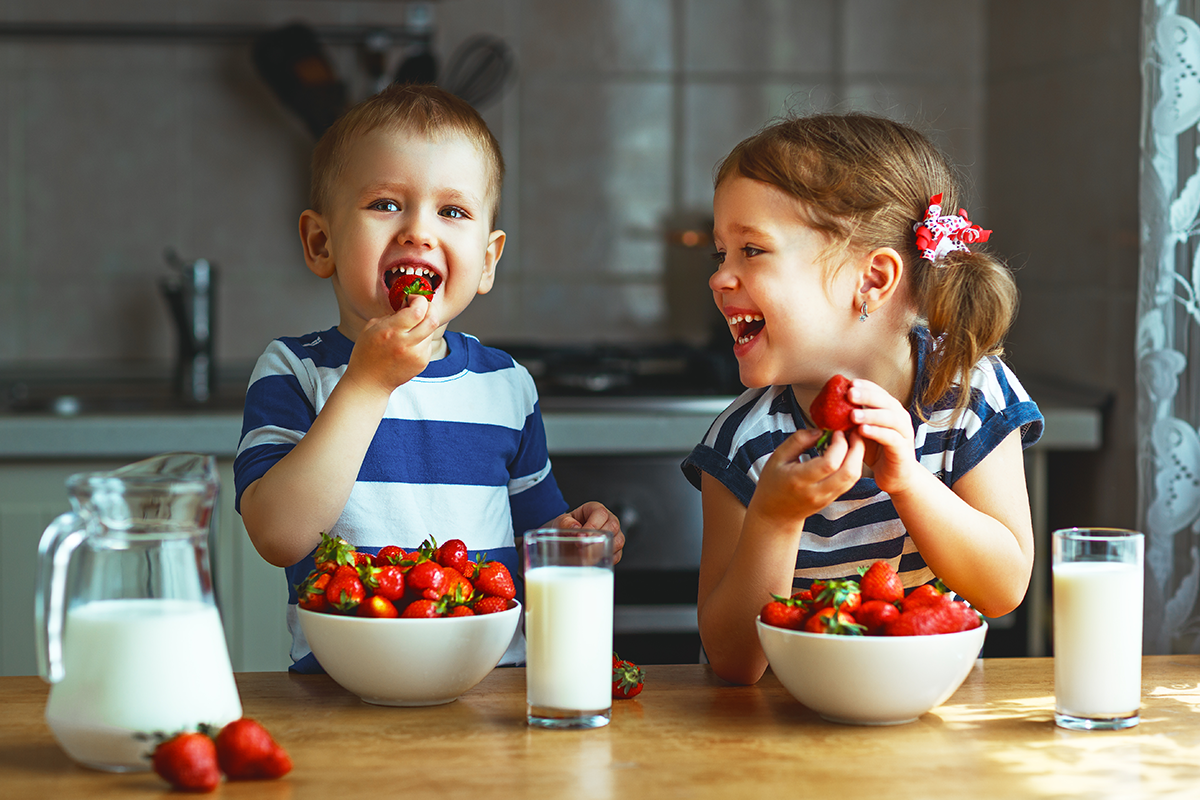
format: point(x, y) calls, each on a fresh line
point(293, 63)
point(420, 66)
point(480, 70)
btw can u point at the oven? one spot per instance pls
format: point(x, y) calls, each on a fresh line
point(619, 420)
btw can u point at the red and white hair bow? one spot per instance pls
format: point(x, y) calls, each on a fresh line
point(938, 235)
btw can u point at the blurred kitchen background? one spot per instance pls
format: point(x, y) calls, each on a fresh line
point(137, 126)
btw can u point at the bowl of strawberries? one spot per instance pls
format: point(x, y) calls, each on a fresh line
point(407, 628)
point(867, 652)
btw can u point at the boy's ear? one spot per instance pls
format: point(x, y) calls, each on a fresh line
point(882, 271)
point(314, 235)
point(495, 248)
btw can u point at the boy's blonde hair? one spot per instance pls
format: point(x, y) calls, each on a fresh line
point(864, 182)
point(418, 108)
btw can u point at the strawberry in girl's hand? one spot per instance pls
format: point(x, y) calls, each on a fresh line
point(830, 410)
point(245, 751)
point(188, 761)
point(403, 287)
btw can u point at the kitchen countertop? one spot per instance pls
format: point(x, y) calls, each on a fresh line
point(628, 425)
point(688, 734)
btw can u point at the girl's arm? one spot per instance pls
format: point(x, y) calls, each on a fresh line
point(749, 554)
point(978, 537)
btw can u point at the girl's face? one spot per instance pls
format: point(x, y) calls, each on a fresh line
point(789, 322)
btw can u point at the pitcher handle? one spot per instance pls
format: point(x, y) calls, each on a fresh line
point(57, 544)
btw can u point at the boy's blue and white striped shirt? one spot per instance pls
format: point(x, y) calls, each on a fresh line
point(862, 525)
point(459, 454)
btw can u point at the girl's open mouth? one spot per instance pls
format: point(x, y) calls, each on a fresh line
point(745, 326)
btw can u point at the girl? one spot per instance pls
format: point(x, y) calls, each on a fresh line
point(833, 256)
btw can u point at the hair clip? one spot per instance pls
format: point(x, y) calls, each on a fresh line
point(938, 235)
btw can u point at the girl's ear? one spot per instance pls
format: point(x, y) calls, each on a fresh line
point(881, 273)
point(314, 236)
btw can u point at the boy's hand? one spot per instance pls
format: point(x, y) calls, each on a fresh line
point(790, 490)
point(392, 350)
point(887, 428)
point(595, 516)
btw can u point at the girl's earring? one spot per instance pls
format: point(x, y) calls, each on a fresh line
point(862, 316)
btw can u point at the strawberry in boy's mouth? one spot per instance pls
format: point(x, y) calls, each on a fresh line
point(745, 326)
point(404, 281)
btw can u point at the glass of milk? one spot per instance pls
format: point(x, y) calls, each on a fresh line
point(1097, 628)
point(568, 627)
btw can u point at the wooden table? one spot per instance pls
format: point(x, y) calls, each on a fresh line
point(688, 735)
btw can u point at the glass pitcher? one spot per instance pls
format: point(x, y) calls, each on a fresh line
point(128, 634)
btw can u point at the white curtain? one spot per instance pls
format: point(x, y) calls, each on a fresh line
point(1169, 325)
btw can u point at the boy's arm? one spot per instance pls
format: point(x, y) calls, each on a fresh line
point(303, 494)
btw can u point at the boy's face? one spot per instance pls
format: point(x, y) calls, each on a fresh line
point(405, 203)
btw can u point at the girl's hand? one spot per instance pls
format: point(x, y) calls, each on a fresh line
point(887, 428)
point(392, 350)
point(789, 490)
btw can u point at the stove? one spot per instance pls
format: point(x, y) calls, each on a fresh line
point(656, 579)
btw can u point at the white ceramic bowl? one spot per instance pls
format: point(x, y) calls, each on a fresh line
point(409, 662)
point(870, 680)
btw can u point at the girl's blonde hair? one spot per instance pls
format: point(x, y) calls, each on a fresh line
point(865, 182)
point(423, 109)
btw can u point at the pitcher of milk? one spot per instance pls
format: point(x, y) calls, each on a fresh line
point(128, 634)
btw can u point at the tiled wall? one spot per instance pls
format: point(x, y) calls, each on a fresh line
point(111, 151)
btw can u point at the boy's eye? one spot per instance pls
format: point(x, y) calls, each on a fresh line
point(385, 205)
point(454, 212)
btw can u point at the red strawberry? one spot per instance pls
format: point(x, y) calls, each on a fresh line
point(628, 679)
point(333, 552)
point(378, 607)
point(785, 612)
point(312, 591)
point(880, 582)
point(843, 595)
point(875, 615)
point(345, 590)
point(494, 578)
point(422, 609)
point(386, 582)
point(926, 620)
point(830, 620)
point(830, 409)
point(452, 553)
point(408, 285)
point(924, 595)
point(490, 604)
point(426, 580)
point(389, 556)
point(188, 761)
point(246, 751)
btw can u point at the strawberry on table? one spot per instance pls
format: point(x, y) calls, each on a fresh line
point(831, 408)
point(245, 751)
point(628, 679)
point(188, 761)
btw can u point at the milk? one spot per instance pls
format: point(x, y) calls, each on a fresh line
point(1097, 638)
point(568, 628)
point(138, 665)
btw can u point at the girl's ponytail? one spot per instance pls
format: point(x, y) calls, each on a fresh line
point(969, 300)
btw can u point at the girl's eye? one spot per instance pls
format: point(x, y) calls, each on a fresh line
point(385, 205)
point(718, 256)
point(750, 251)
point(454, 213)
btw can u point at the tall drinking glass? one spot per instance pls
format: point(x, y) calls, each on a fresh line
point(1097, 628)
point(568, 627)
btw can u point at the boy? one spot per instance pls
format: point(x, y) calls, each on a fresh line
point(388, 429)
